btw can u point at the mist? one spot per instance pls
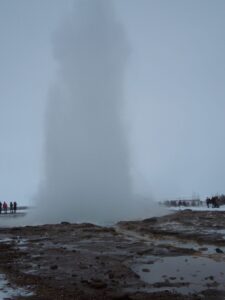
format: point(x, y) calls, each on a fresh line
point(87, 173)
point(164, 61)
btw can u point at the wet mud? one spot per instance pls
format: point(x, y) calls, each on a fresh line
point(178, 256)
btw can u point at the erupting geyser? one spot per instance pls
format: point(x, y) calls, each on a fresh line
point(87, 167)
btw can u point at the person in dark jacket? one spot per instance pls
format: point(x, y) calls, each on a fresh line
point(11, 207)
point(14, 207)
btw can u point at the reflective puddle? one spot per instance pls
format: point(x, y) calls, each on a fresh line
point(184, 274)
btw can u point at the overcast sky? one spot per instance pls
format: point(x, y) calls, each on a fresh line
point(175, 94)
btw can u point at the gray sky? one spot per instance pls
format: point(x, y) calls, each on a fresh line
point(174, 93)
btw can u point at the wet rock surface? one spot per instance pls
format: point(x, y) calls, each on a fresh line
point(178, 256)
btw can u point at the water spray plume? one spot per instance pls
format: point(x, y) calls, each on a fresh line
point(86, 154)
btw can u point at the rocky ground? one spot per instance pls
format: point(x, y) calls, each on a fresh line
point(178, 256)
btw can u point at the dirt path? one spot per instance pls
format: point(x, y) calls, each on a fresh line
point(128, 234)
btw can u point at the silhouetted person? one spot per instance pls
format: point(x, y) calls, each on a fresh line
point(5, 207)
point(207, 202)
point(0, 207)
point(14, 207)
point(215, 202)
point(11, 207)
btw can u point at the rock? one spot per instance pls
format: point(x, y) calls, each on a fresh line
point(203, 249)
point(145, 270)
point(218, 250)
point(122, 297)
point(65, 223)
point(83, 267)
point(54, 267)
point(136, 275)
point(85, 281)
point(150, 220)
point(111, 275)
point(150, 262)
point(98, 284)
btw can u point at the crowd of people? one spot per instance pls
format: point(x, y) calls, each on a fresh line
point(186, 203)
point(214, 202)
point(4, 207)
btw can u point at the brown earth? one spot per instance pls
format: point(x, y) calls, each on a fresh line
point(86, 261)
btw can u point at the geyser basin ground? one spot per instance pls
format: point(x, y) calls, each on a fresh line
point(178, 256)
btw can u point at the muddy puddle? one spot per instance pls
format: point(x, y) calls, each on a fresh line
point(183, 274)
